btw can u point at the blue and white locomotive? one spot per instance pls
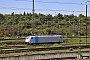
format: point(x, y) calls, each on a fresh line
point(43, 39)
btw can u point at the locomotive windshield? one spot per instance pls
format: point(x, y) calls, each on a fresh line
point(27, 37)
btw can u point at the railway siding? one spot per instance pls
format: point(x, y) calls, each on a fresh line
point(18, 50)
point(46, 56)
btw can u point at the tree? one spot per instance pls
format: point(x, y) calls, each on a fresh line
point(71, 16)
point(48, 17)
point(36, 15)
point(81, 16)
point(60, 16)
point(44, 24)
point(1, 17)
point(66, 17)
point(24, 13)
point(12, 13)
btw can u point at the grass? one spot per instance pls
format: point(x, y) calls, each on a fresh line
point(76, 40)
point(14, 48)
point(30, 47)
point(41, 46)
point(5, 45)
point(9, 42)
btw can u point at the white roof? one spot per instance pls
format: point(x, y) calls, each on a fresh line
point(45, 36)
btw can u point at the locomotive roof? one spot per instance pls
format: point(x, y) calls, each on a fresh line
point(45, 36)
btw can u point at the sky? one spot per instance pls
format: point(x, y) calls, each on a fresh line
point(45, 6)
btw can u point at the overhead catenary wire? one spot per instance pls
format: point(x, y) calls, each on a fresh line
point(27, 0)
point(44, 9)
point(47, 9)
point(17, 8)
point(54, 2)
point(14, 8)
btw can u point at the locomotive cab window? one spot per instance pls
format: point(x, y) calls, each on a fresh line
point(31, 37)
point(60, 36)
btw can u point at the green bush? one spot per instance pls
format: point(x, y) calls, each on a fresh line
point(55, 44)
point(5, 45)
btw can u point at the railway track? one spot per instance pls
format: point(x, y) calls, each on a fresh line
point(50, 56)
point(2, 38)
point(18, 50)
point(15, 42)
point(9, 47)
point(22, 40)
point(63, 55)
point(12, 38)
point(64, 58)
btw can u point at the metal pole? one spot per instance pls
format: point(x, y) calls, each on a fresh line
point(13, 24)
point(32, 17)
point(86, 21)
point(18, 29)
point(73, 25)
point(79, 37)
